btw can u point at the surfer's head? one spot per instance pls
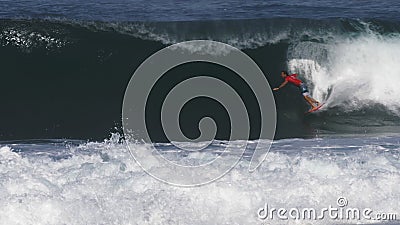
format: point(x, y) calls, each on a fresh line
point(284, 73)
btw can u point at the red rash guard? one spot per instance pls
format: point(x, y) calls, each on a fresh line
point(293, 79)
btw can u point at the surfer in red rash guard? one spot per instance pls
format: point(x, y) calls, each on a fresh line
point(303, 88)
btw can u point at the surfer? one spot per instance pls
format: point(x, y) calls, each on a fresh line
point(303, 88)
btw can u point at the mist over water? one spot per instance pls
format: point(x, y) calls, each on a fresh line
point(352, 72)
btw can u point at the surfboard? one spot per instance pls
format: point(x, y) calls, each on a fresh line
point(315, 109)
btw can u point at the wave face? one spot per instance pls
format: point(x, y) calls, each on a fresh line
point(66, 78)
point(69, 182)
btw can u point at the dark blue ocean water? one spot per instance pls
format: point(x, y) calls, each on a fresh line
point(178, 10)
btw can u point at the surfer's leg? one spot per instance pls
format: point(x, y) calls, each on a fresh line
point(313, 100)
point(307, 97)
point(314, 103)
point(310, 101)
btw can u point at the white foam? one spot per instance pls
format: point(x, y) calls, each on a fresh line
point(27, 39)
point(355, 72)
point(101, 184)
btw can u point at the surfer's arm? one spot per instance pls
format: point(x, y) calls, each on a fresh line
point(281, 86)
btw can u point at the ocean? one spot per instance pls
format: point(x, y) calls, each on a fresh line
point(65, 68)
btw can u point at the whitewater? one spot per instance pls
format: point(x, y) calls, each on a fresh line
point(355, 72)
point(75, 182)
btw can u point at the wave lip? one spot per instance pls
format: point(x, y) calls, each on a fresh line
point(243, 34)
